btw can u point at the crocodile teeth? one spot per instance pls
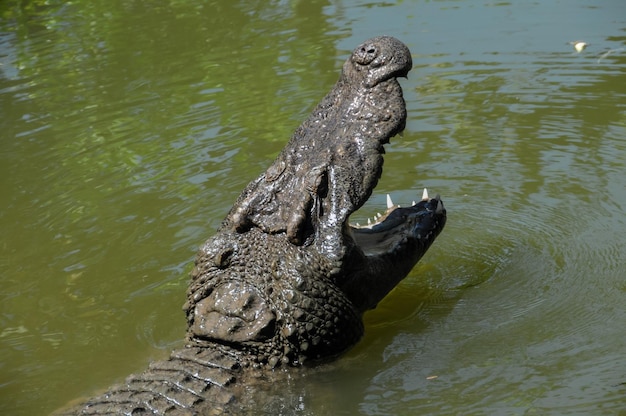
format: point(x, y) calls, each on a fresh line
point(425, 195)
point(389, 202)
point(369, 222)
point(413, 204)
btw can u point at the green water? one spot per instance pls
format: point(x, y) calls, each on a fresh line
point(127, 130)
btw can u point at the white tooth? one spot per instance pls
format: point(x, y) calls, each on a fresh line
point(389, 202)
point(413, 204)
point(369, 222)
point(358, 225)
point(379, 215)
point(425, 195)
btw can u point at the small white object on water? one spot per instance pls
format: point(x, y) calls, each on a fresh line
point(579, 45)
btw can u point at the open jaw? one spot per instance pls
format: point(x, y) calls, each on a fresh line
point(384, 252)
point(379, 218)
point(422, 221)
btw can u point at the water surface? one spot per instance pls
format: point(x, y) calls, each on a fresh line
point(128, 130)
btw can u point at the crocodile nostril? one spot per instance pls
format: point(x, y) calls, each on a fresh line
point(368, 50)
point(365, 54)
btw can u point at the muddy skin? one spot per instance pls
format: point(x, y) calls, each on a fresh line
point(286, 279)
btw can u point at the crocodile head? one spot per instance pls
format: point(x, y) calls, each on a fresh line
point(287, 277)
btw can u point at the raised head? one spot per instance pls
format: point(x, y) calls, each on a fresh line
point(287, 278)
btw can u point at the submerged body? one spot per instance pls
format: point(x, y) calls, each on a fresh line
point(286, 279)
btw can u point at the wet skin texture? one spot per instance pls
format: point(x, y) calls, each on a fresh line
point(285, 280)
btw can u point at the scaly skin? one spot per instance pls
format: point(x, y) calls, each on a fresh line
point(286, 279)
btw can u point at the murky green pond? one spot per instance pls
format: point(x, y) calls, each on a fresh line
point(128, 128)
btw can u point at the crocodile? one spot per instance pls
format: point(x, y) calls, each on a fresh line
point(286, 279)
